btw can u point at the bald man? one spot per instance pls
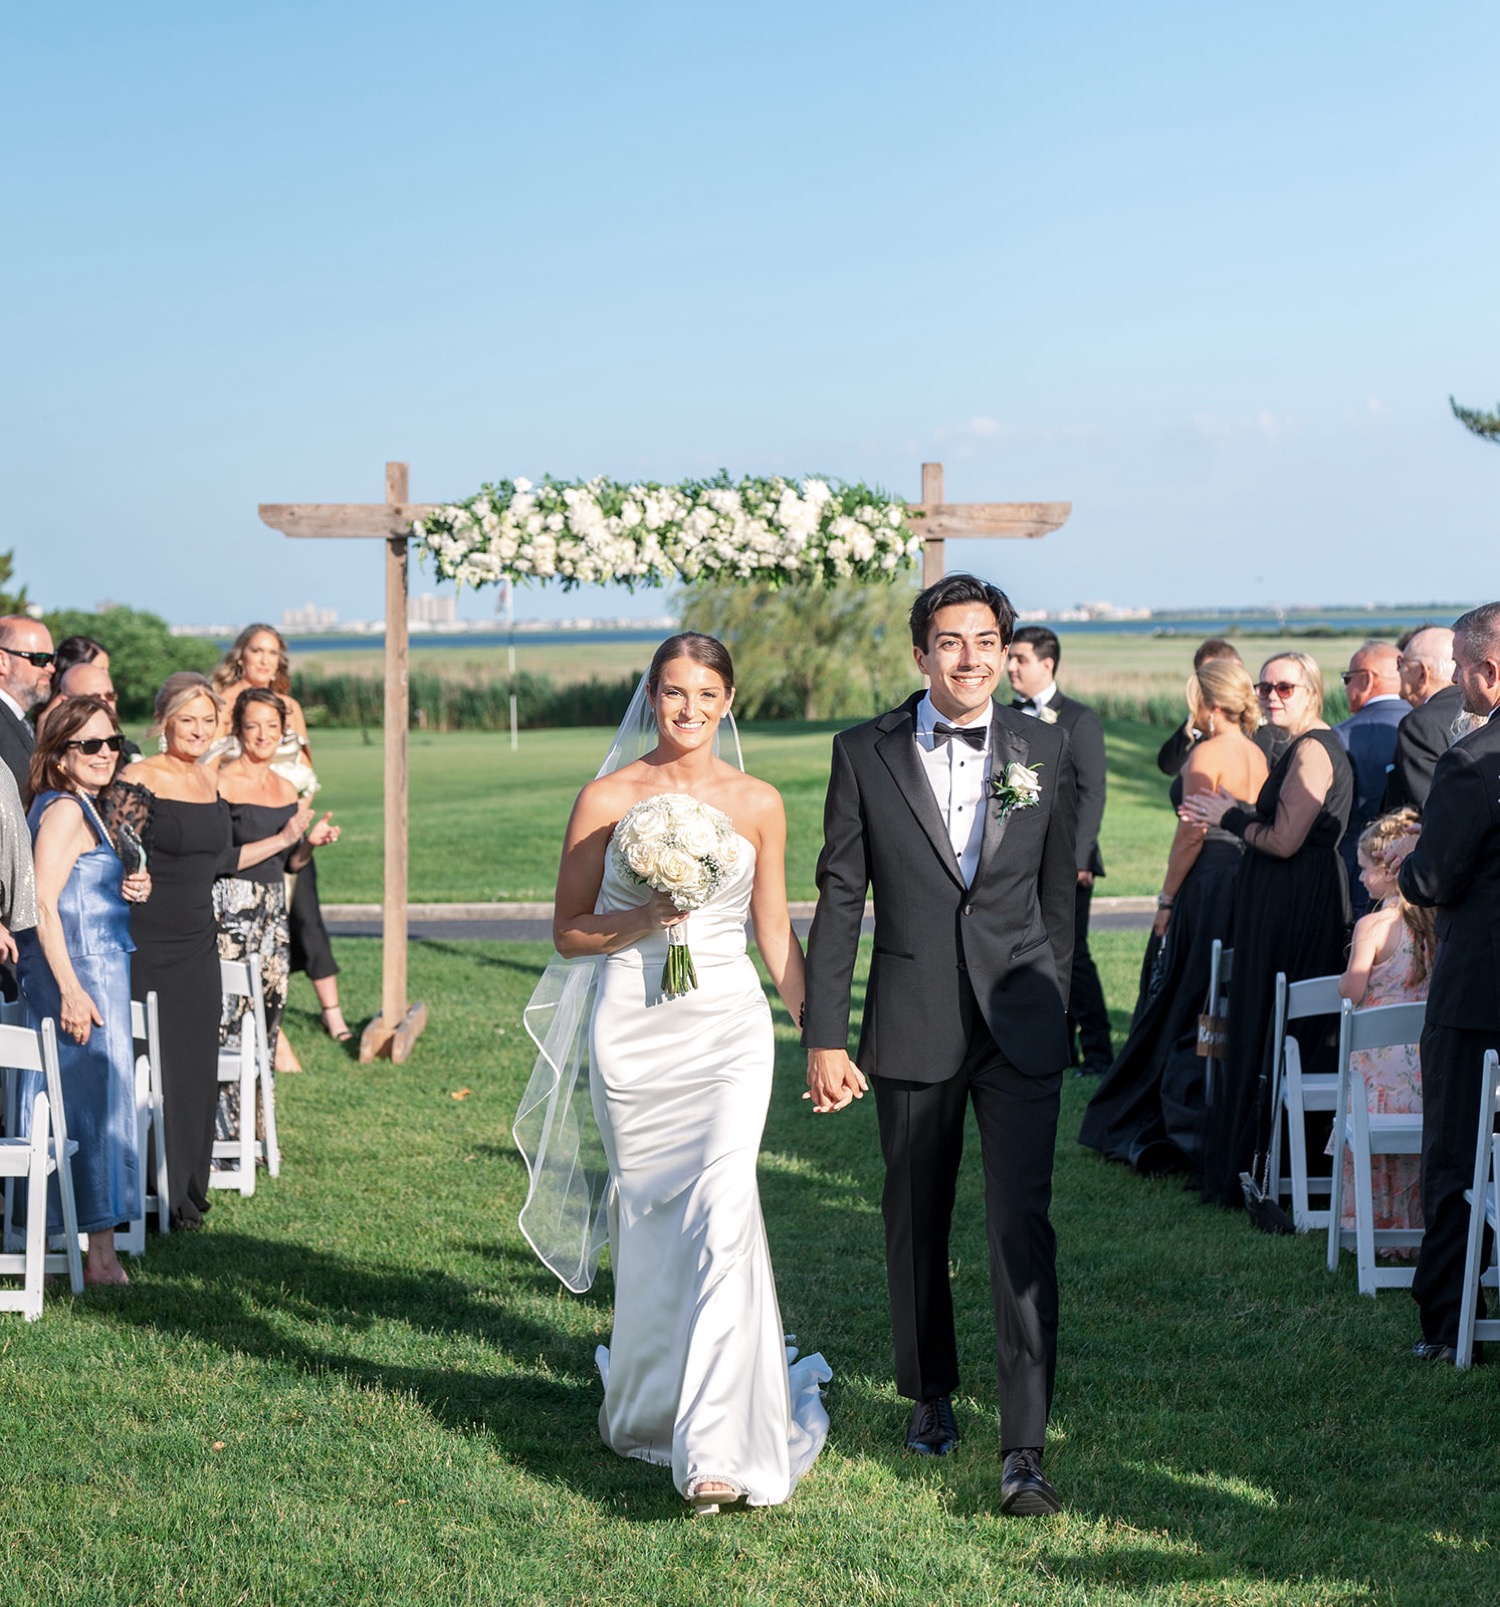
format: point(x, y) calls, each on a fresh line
point(1373, 682)
point(25, 681)
point(88, 679)
point(1426, 667)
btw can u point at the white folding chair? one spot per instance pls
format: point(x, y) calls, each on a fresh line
point(37, 1158)
point(1220, 971)
point(1300, 1092)
point(150, 1125)
point(1484, 1211)
point(1365, 1134)
point(247, 1065)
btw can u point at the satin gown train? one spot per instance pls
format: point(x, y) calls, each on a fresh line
point(697, 1374)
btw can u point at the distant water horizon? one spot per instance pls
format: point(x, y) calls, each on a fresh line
point(1373, 621)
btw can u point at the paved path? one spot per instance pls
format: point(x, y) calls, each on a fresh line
point(532, 923)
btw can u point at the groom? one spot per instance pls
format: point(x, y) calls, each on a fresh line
point(959, 815)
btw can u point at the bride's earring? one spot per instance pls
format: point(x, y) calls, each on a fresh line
point(161, 743)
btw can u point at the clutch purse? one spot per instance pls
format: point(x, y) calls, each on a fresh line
point(125, 812)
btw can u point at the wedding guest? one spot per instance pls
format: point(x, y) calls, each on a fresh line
point(1172, 754)
point(1149, 1110)
point(75, 970)
point(1373, 683)
point(1291, 904)
point(1426, 668)
point(1390, 960)
point(250, 904)
point(73, 650)
point(1031, 667)
point(176, 936)
point(17, 878)
point(1454, 868)
point(259, 658)
point(25, 681)
point(86, 678)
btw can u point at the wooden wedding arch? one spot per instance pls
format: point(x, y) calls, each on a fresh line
point(400, 1022)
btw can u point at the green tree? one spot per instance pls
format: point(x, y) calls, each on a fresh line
point(143, 652)
point(11, 602)
point(809, 652)
point(1485, 425)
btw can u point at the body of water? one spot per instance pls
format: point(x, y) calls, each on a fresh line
point(1377, 622)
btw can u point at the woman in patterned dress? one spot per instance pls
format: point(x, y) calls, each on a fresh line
point(250, 905)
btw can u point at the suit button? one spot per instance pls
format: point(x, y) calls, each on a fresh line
point(968, 909)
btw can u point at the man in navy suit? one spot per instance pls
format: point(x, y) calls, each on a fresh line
point(1031, 667)
point(1373, 682)
point(1455, 868)
point(25, 682)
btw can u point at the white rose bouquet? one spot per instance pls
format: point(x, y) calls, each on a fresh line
point(675, 845)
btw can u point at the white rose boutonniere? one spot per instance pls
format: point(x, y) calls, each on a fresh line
point(1047, 714)
point(1019, 788)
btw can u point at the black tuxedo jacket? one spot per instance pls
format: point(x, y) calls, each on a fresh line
point(16, 742)
point(1421, 740)
point(1086, 736)
point(1008, 937)
point(1456, 866)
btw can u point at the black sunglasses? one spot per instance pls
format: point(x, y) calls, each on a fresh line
point(1348, 675)
point(1282, 689)
point(93, 745)
point(41, 660)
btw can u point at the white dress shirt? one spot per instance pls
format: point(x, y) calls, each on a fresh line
point(10, 703)
point(957, 775)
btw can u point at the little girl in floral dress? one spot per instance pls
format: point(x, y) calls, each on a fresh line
point(1390, 960)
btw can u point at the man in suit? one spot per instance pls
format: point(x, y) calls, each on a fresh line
point(959, 816)
point(1373, 682)
point(1031, 665)
point(1455, 866)
point(1426, 665)
point(25, 681)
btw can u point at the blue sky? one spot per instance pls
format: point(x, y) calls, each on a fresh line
point(1209, 272)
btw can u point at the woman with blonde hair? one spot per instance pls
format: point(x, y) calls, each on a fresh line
point(1148, 1111)
point(176, 935)
point(1291, 912)
point(258, 660)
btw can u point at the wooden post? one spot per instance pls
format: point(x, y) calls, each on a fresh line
point(932, 549)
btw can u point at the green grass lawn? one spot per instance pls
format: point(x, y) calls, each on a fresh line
point(487, 824)
point(359, 1387)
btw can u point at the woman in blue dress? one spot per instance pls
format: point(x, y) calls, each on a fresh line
point(74, 968)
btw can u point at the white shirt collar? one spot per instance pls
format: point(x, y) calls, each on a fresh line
point(12, 705)
point(1043, 698)
point(928, 717)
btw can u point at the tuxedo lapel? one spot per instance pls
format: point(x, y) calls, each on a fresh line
point(1006, 747)
point(898, 751)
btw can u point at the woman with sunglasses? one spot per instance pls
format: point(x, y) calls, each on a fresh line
point(1291, 907)
point(74, 968)
point(176, 935)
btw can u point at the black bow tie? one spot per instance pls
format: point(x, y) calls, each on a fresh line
point(972, 734)
point(1024, 703)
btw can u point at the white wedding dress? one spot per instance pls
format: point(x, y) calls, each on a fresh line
point(698, 1375)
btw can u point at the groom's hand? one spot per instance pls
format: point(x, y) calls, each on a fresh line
point(832, 1080)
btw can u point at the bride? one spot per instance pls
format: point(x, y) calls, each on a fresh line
point(697, 1373)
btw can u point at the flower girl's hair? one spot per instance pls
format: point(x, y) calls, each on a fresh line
point(1375, 843)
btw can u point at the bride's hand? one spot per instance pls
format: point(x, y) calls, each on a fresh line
point(833, 1080)
point(661, 911)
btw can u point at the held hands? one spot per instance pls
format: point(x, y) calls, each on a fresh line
point(1207, 808)
point(136, 887)
point(833, 1080)
point(77, 1014)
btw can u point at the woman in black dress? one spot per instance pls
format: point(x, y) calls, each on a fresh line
point(1148, 1111)
point(175, 934)
point(1291, 907)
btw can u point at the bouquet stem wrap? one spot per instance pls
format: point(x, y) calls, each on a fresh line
point(678, 974)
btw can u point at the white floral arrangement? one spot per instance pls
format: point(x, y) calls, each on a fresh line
point(767, 530)
point(675, 845)
point(1020, 788)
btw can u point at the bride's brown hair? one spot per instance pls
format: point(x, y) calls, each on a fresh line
point(708, 651)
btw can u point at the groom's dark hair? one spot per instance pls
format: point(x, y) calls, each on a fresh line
point(953, 589)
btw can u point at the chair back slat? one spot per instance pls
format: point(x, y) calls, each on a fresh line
point(1384, 1026)
point(1313, 996)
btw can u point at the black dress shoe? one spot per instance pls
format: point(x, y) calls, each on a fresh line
point(933, 1430)
point(1025, 1491)
point(1431, 1350)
